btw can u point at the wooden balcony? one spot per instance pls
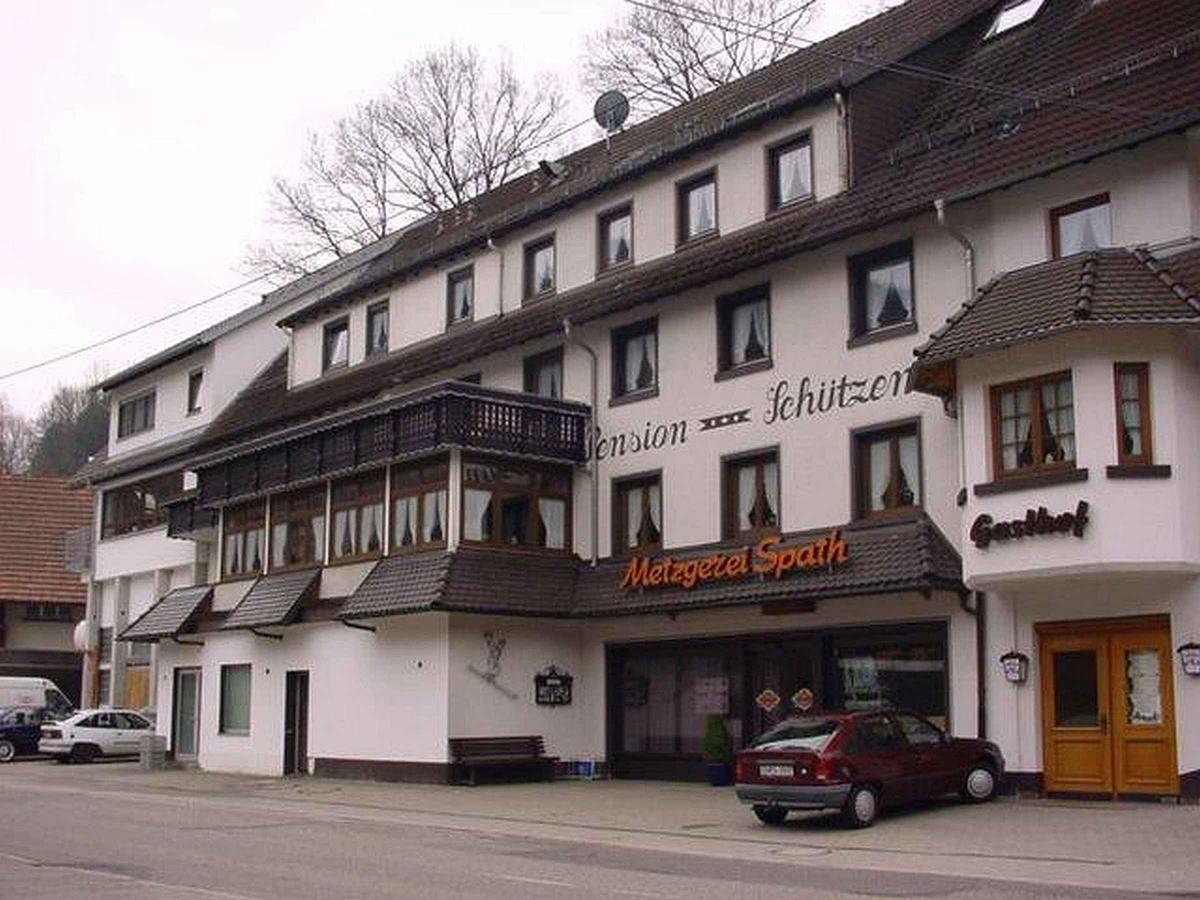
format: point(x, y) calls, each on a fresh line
point(186, 518)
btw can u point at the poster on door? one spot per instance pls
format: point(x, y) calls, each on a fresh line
point(712, 696)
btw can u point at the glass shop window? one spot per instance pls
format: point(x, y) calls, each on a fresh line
point(905, 671)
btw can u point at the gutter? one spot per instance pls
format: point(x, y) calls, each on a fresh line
point(939, 206)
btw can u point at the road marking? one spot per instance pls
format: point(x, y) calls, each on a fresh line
point(526, 880)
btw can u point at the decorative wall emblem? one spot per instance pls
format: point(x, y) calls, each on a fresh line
point(803, 699)
point(768, 700)
point(491, 671)
point(737, 417)
point(985, 529)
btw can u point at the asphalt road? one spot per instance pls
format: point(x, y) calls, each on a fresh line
point(97, 843)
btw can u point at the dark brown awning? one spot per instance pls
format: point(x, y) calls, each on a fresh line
point(274, 600)
point(175, 612)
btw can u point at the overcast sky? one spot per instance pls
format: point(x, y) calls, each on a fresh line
point(141, 139)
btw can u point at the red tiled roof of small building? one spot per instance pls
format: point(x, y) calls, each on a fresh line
point(36, 514)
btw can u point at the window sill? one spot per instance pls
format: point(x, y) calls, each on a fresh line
point(1032, 480)
point(417, 548)
point(459, 324)
point(881, 334)
point(294, 567)
point(634, 396)
point(1141, 470)
point(759, 365)
point(240, 577)
point(244, 734)
point(352, 560)
point(336, 367)
point(784, 208)
point(687, 243)
point(539, 297)
point(614, 269)
point(884, 518)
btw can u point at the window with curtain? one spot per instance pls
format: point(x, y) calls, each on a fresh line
point(460, 295)
point(635, 358)
point(377, 328)
point(195, 385)
point(235, 699)
point(419, 509)
point(744, 330)
point(1033, 425)
point(697, 207)
point(136, 415)
point(544, 374)
point(881, 289)
point(791, 171)
point(139, 506)
point(298, 528)
point(1133, 414)
point(335, 349)
point(243, 529)
point(889, 472)
point(516, 505)
point(637, 515)
point(539, 268)
point(356, 508)
point(751, 495)
point(1081, 226)
point(616, 238)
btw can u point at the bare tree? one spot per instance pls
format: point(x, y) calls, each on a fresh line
point(17, 439)
point(450, 126)
point(667, 52)
point(71, 426)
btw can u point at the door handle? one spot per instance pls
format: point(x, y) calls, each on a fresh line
point(1103, 723)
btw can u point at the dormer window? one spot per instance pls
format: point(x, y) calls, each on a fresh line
point(336, 348)
point(136, 415)
point(1080, 227)
point(1012, 14)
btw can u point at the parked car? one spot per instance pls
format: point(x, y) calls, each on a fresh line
point(860, 762)
point(91, 733)
point(39, 692)
point(20, 729)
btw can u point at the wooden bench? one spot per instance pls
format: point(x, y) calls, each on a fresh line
point(523, 755)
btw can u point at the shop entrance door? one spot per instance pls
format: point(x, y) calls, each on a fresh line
point(1108, 716)
point(295, 725)
point(779, 673)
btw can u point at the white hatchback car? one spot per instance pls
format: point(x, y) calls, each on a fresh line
point(91, 733)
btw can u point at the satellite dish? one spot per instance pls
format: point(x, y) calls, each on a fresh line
point(611, 110)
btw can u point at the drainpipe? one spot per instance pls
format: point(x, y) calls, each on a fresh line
point(595, 459)
point(491, 245)
point(843, 141)
point(968, 248)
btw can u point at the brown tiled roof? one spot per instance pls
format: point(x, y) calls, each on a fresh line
point(1112, 75)
point(1104, 287)
point(405, 582)
point(274, 599)
point(36, 513)
point(174, 612)
point(912, 555)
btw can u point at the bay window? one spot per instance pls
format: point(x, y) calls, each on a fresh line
point(244, 536)
point(298, 528)
point(516, 505)
point(356, 506)
point(419, 492)
point(138, 506)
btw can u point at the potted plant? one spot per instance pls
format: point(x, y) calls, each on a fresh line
point(717, 750)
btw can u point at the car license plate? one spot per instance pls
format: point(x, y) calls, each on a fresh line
point(776, 771)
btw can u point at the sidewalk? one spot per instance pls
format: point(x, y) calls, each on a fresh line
point(1130, 846)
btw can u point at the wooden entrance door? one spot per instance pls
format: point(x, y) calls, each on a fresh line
point(1108, 723)
point(295, 724)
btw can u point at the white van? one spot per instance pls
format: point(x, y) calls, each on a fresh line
point(39, 692)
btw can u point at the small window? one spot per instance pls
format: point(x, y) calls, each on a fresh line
point(235, 699)
point(889, 471)
point(637, 515)
point(49, 612)
point(419, 509)
point(106, 645)
point(1033, 425)
point(516, 505)
point(544, 374)
point(336, 347)
point(1133, 414)
point(744, 330)
point(1012, 14)
point(539, 268)
point(377, 328)
point(790, 171)
point(697, 207)
point(356, 506)
point(616, 238)
point(635, 359)
point(136, 415)
point(1081, 226)
point(195, 383)
point(298, 528)
point(244, 531)
point(460, 295)
point(751, 495)
point(881, 290)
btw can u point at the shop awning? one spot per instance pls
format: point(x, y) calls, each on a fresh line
point(274, 600)
point(175, 612)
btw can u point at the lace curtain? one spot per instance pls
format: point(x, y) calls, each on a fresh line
point(553, 513)
point(750, 337)
point(639, 362)
point(889, 295)
point(477, 518)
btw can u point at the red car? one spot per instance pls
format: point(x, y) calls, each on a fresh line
point(859, 762)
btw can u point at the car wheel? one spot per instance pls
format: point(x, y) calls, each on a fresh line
point(83, 753)
point(7, 751)
point(771, 815)
point(862, 805)
point(980, 785)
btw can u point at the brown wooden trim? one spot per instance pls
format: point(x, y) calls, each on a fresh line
point(1142, 371)
point(617, 339)
point(776, 149)
point(339, 322)
point(1142, 471)
point(682, 187)
point(1057, 212)
point(617, 486)
point(602, 220)
point(1111, 623)
point(857, 267)
point(1033, 385)
point(382, 770)
point(626, 399)
point(881, 334)
point(759, 365)
point(1032, 480)
point(759, 456)
point(528, 251)
point(534, 495)
point(452, 278)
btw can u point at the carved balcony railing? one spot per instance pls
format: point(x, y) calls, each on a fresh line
point(448, 415)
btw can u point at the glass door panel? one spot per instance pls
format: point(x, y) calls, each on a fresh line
point(187, 713)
